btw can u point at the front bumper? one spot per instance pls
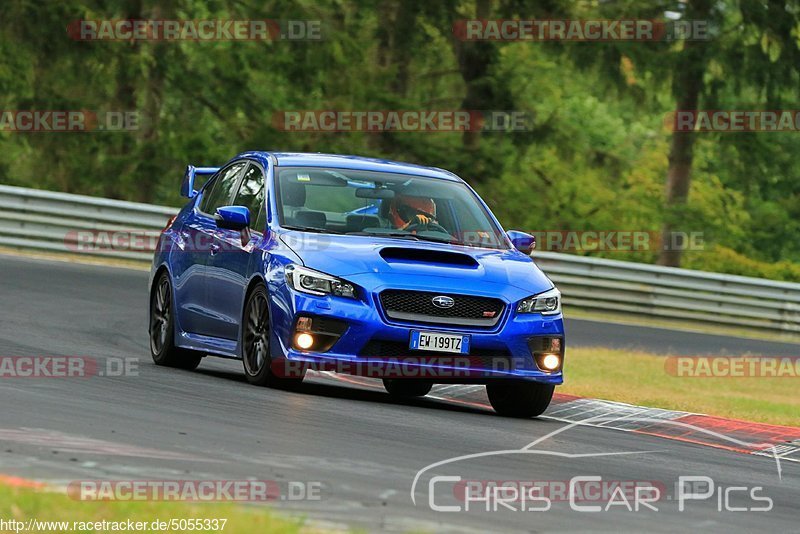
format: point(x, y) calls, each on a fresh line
point(503, 351)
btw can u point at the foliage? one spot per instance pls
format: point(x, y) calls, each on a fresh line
point(596, 157)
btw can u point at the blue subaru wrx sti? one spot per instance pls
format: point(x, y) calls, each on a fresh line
point(293, 262)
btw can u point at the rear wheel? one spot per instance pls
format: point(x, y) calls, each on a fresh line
point(519, 399)
point(162, 330)
point(256, 343)
point(407, 388)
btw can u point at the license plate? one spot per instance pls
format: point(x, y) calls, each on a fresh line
point(439, 342)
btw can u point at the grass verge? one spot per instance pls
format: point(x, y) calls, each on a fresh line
point(25, 503)
point(641, 378)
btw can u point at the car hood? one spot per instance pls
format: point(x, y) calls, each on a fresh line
point(387, 259)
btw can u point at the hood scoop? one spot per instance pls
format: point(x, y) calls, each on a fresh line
point(422, 255)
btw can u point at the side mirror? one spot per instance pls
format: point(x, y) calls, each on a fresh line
point(232, 217)
point(523, 242)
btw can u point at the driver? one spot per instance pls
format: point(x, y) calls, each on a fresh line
point(408, 211)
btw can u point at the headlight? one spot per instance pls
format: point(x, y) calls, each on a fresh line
point(316, 283)
point(547, 303)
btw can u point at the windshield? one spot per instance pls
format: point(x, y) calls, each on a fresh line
point(400, 206)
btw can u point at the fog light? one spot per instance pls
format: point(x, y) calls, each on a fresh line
point(551, 362)
point(304, 341)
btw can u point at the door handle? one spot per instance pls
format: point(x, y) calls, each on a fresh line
point(214, 248)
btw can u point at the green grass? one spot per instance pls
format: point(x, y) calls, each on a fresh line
point(22, 504)
point(641, 378)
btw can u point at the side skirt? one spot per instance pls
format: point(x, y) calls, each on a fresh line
point(226, 348)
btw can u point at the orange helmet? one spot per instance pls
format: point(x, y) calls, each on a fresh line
point(404, 208)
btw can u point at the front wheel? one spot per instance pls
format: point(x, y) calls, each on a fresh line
point(256, 343)
point(518, 398)
point(162, 330)
point(407, 388)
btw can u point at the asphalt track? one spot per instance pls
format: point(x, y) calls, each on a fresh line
point(362, 448)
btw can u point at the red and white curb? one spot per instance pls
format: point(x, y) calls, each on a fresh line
point(730, 434)
point(18, 482)
point(780, 442)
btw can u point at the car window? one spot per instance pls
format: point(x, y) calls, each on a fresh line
point(221, 190)
point(251, 193)
point(261, 221)
point(341, 199)
point(363, 202)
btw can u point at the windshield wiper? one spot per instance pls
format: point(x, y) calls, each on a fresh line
point(400, 235)
point(432, 239)
point(312, 229)
point(404, 235)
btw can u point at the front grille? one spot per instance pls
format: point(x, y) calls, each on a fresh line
point(418, 306)
point(478, 358)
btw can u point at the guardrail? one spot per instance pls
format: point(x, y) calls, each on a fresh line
point(672, 293)
point(51, 221)
point(46, 220)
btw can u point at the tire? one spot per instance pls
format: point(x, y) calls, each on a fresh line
point(162, 330)
point(256, 359)
point(519, 399)
point(407, 388)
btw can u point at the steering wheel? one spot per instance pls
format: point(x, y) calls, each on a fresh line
point(431, 226)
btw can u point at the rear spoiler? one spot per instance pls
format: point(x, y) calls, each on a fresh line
point(187, 187)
